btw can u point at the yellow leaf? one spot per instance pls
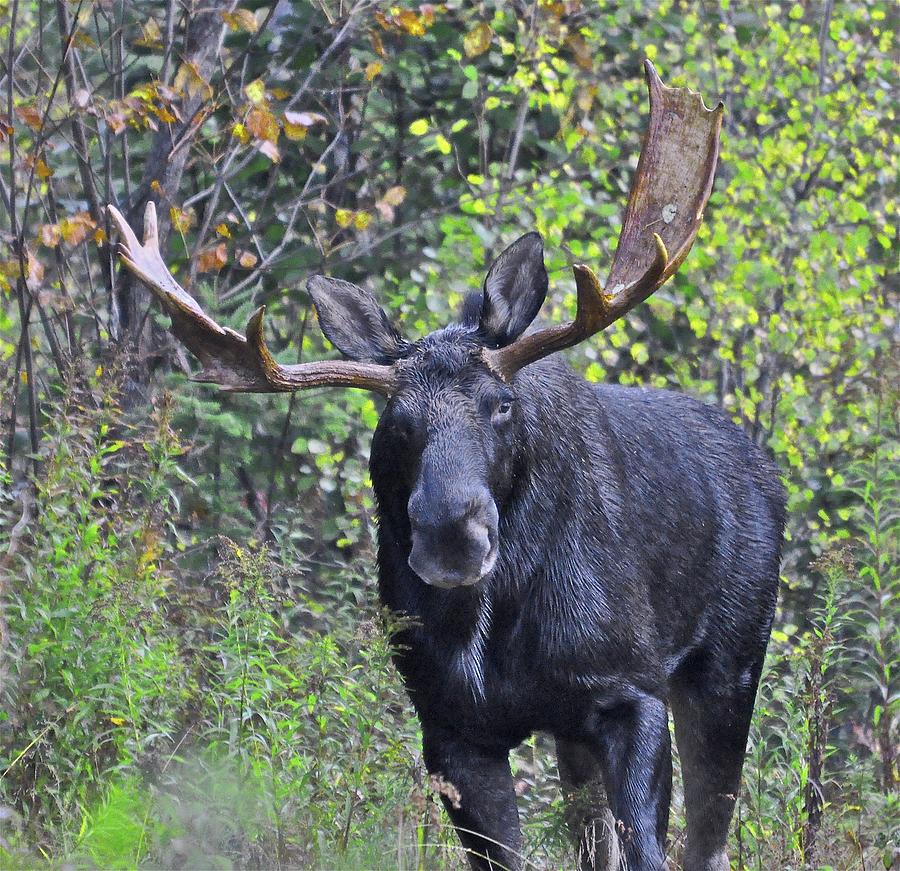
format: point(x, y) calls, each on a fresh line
point(410, 22)
point(373, 69)
point(117, 721)
point(395, 195)
point(343, 217)
point(75, 228)
point(361, 220)
point(151, 35)
point(241, 19)
point(419, 127)
point(42, 170)
point(294, 132)
point(189, 81)
point(442, 144)
point(222, 230)
point(478, 40)
point(240, 132)
point(181, 219)
point(256, 92)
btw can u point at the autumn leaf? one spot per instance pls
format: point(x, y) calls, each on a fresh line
point(263, 124)
point(247, 259)
point(34, 271)
point(212, 259)
point(395, 195)
point(373, 69)
point(409, 21)
point(222, 230)
point(343, 217)
point(361, 220)
point(31, 116)
point(189, 81)
point(240, 132)
point(75, 228)
point(256, 92)
point(181, 219)
point(241, 19)
point(270, 149)
point(580, 50)
point(151, 35)
point(296, 124)
point(478, 40)
point(50, 235)
point(42, 170)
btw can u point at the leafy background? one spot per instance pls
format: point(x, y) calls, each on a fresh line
point(194, 671)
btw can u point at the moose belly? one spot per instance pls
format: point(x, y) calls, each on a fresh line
point(493, 696)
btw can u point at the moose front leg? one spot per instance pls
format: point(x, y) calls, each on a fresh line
point(481, 802)
point(636, 756)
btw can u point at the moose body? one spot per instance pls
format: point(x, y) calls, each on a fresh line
point(639, 535)
point(573, 558)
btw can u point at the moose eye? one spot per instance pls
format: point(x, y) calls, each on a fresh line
point(503, 411)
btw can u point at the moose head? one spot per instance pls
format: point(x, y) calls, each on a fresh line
point(448, 433)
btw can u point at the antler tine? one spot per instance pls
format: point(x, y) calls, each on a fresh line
point(234, 362)
point(671, 186)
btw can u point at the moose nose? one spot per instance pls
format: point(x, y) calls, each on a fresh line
point(454, 542)
point(435, 516)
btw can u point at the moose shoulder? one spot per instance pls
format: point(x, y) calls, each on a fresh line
point(575, 558)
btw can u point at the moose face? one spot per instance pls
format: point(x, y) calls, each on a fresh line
point(448, 433)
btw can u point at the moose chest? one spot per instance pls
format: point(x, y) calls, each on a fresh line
point(482, 669)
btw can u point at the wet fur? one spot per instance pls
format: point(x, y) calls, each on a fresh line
point(640, 544)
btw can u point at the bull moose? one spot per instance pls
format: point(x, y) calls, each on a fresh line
point(574, 558)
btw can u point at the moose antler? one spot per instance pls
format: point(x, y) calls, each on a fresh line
point(234, 362)
point(672, 183)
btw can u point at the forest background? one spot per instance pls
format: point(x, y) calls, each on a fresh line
point(194, 670)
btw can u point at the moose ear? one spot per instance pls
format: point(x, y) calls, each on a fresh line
point(353, 321)
point(514, 290)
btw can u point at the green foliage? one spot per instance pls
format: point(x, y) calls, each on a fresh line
point(92, 681)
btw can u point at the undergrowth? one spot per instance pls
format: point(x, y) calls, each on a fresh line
point(153, 717)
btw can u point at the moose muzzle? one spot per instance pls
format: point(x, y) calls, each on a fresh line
point(454, 541)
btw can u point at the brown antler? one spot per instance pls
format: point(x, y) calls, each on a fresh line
point(673, 181)
point(234, 362)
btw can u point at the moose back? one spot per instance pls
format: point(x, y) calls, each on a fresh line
point(575, 558)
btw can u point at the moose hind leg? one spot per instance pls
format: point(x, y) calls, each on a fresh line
point(590, 821)
point(479, 797)
point(711, 728)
